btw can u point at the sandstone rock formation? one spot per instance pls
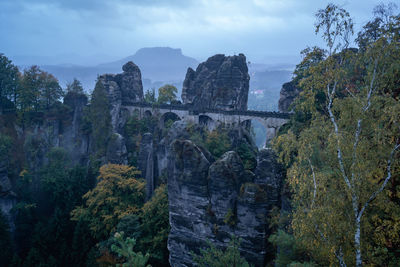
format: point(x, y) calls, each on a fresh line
point(221, 82)
point(146, 162)
point(288, 93)
point(7, 196)
point(122, 89)
point(213, 201)
point(125, 87)
point(73, 140)
point(116, 150)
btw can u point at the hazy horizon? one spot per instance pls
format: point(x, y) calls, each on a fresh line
point(92, 32)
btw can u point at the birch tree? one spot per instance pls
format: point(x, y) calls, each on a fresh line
point(347, 154)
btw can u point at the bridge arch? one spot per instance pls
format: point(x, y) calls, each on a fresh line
point(261, 128)
point(168, 118)
point(148, 114)
point(207, 121)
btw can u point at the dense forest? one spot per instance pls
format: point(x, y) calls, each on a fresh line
point(340, 200)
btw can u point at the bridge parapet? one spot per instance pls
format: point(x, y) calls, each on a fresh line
point(193, 111)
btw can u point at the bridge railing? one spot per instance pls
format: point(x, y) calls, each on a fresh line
point(196, 111)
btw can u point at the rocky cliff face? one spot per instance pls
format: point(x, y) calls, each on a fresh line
point(74, 141)
point(221, 82)
point(7, 196)
point(288, 93)
point(122, 89)
point(215, 200)
point(146, 162)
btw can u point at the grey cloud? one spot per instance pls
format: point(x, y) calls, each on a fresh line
point(199, 27)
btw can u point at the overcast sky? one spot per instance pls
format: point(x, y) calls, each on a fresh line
point(93, 31)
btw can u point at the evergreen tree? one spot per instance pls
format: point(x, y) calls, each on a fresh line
point(6, 245)
point(9, 78)
point(100, 118)
point(215, 257)
point(125, 250)
point(75, 87)
point(50, 90)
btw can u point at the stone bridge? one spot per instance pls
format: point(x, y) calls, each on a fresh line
point(211, 118)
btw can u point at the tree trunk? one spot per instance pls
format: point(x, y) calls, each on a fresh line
point(357, 242)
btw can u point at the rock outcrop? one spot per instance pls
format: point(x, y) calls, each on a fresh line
point(72, 138)
point(213, 201)
point(146, 162)
point(188, 202)
point(7, 196)
point(116, 150)
point(122, 89)
point(221, 82)
point(288, 93)
point(125, 87)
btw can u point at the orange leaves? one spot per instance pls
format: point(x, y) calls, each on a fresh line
point(119, 192)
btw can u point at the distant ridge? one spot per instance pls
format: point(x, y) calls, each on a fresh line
point(158, 65)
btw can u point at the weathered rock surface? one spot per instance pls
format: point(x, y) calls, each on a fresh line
point(188, 202)
point(72, 139)
point(125, 87)
point(288, 93)
point(213, 201)
point(7, 196)
point(122, 89)
point(116, 150)
point(5, 185)
point(146, 162)
point(221, 82)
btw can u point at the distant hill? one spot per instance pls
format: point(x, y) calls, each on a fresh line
point(159, 65)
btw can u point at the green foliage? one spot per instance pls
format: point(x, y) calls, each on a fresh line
point(5, 146)
point(50, 91)
point(125, 250)
point(150, 96)
point(155, 226)
point(100, 118)
point(149, 226)
point(118, 193)
point(9, 78)
point(215, 257)
point(82, 245)
point(43, 226)
point(65, 185)
point(218, 142)
point(248, 156)
point(290, 250)
point(136, 126)
point(29, 89)
point(6, 252)
point(38, 89)
point(341, 144)
point(230, 218)
point(134, 129)
point(167, 94)
point(75, 87)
